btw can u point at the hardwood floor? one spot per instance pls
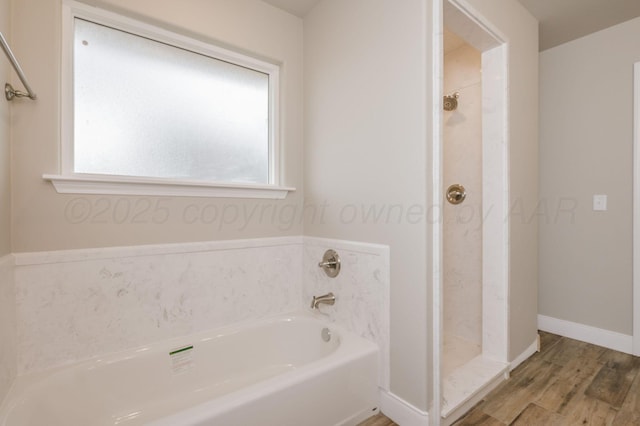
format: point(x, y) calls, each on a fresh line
point(567, 383)
point(379, 420)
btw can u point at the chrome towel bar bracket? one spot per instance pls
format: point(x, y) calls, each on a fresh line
point(9, 92)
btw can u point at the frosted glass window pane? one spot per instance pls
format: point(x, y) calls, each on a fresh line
point(144, 108)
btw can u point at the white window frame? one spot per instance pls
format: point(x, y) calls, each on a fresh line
point(80, 183)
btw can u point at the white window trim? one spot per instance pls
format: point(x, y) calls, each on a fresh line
point(128, 185)
point(78, 183)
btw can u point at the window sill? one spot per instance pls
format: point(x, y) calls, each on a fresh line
point(126, 185)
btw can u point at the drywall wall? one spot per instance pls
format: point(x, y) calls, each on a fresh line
point(520, 31)
point(367, 82)
point(7, 291)
point(586, 146)
point(8, 327)
point(5, 141)
point(46, 220)
point(366, 129)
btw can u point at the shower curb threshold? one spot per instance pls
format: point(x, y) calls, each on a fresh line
point(468, 384)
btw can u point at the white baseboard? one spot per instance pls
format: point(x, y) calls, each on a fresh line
point(524, 355)
point(597, 336)
point(400, 411)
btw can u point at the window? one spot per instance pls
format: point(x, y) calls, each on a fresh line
point(147, 107)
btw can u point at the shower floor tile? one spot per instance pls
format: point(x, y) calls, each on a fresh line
point(456, 352)
point(466, 381)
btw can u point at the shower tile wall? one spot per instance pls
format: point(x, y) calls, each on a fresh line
point(463, 222)
point(7, 326)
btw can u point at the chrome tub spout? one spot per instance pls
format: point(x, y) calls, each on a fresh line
point(325, 299)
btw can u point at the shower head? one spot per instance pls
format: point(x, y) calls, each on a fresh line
point(450, 102)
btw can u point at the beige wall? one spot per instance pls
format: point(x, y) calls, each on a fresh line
point(41, 219)
point(8, 327)
point(521, 32)
point(586, 145)
point(8, 363)
point(366, 131)
point(5, 142)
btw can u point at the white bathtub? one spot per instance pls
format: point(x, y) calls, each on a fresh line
point(277, 372)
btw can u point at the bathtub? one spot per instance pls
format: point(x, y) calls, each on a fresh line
point(292, 370)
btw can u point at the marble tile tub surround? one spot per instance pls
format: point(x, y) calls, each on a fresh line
point(8, 363)
point(73, 305)
point(362, 290)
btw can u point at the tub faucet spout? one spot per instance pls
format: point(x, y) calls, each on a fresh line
point(327, 299)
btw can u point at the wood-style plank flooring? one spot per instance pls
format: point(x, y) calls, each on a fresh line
point(567, 383)
point(379, 420)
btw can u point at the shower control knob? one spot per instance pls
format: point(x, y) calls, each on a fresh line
point(330, 263)
point(456, 194)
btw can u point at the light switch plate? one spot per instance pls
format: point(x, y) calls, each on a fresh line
point(599, 203)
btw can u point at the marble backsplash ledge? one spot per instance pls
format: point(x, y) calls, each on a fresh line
point(73, 305)
point(101, 253)
point(8, 354)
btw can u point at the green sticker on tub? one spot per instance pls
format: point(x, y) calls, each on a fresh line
point(177, 351)
point(181, 359)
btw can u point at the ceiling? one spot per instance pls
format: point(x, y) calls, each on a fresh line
point(295, 7)
point(560, 20)
point(565, 20)
point(451, 41)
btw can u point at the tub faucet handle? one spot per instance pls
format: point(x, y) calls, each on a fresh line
point(326, 299)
